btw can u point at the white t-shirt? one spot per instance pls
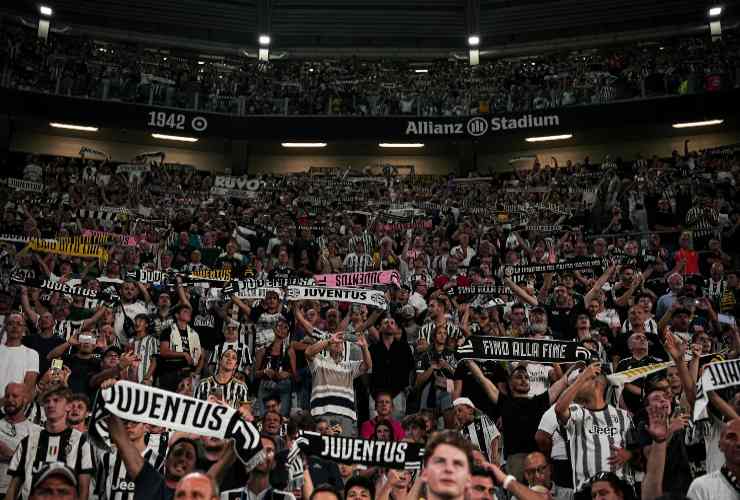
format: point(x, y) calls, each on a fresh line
point(539, 378)
point(11, 435)
point(712, 486)
point(15, 362)
point(549, 424)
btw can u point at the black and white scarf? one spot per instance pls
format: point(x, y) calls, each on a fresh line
point(176, 412)
point(107, 296)
point(715, 376)
point(355, 295)
point(488, 347)
point(731, 478)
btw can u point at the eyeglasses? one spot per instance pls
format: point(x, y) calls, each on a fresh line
point(542, 469)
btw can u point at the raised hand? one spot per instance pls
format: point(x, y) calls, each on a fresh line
point(657, 423)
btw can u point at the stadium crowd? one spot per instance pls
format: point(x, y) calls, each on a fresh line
point(651, 308)
point(129, 72)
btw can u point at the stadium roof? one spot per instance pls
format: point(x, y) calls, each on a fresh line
point(389, 24)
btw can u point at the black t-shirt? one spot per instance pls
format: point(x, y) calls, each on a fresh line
point(521, 418)
point(634, 402)
point(43, 346)
point(562, 320)
point(472, 389)
point(81, 371)
point(150, 485)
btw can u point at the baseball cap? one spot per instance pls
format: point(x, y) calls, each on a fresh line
point(55, 469)
point(463, 401)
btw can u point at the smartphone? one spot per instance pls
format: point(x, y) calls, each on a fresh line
point(57, 365)
point(87, 339)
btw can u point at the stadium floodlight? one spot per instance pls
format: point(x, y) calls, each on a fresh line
point(715, 11)
point(45, 10)
point(401, 145)
point(705, 123)
point(179, 138)
point(421, 70)
point(84, 128)
point(473, 40)
point(303, 144)
point(547, 138)
point(264, 39)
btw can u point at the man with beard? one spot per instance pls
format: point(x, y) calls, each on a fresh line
point(148, 483)
point(721, 484)
point(13, 428)
point(437, 319)
point(114, 482)
point(130, 307)
point(56, 442)
point(78, 411)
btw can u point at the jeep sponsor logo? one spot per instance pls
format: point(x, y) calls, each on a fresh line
point(478, 126)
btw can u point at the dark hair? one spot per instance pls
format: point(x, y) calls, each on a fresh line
point(360, 481)
point(80, 397)
point(450, 438)
point(617, 483)
point(383, 393)
point(386, 423)
point(57, 390)
point(481, 472)
point(325, 488)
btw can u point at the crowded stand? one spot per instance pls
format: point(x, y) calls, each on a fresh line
point(558, 331)
point(81, 66)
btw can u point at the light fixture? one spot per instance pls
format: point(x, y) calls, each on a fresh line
point(180, 138)
point(45, 10)
point(421, 71)
point(705, 123)
point(401, 145)
point(303, 144)
point(546, 138)
point(201, 63)
point(264, 39)
point(70, 126)
point(473, 40)
point(715, 11)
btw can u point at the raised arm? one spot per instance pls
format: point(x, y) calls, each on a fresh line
point(131, 457)
point(489, 387)
point(562, 407)
point(599, 283)
point(521, 292)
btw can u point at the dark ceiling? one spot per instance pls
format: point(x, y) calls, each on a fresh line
point(437, 24)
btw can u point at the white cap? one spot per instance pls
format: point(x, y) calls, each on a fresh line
point(463, 401)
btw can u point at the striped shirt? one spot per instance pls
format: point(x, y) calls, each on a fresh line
point(481, 432)
point(354, 263)
point(146, 348)
point(113, 480)
point(364, 237)
point(234, 390)
point(702, 221)
point(427, 330)
point(41, 447)
point(591, 437)
point(243, 355)
point(333, 390)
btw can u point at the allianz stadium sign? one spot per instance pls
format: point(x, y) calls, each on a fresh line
point(478, 126)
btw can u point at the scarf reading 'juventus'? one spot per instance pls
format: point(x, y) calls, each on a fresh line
point(371, 453)
point(715, 376)
point(153, 406)
point(21, 185)
point(355, 295)
point(56, 286)
point(359, 279)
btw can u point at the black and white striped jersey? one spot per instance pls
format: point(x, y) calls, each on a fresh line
point(41, 447)
point(234, 391)
point(481, 432)
point(243, 355)
point(113, 481)
point(591, 435)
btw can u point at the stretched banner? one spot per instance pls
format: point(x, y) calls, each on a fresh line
point(153, 406)
point(480, 289)
point(358, 279)
point(76, 291)
point(579, 265)
point(21, 185)
point(714, 377)
point(148, 277)
point(422, 224)
point(106, 237)
point(358, 296)
point(76, 247)
point(235, 285)
point(484, 347)
point(370, 453)
point(627, 376)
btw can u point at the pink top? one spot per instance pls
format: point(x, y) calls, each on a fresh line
point(368, 428)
